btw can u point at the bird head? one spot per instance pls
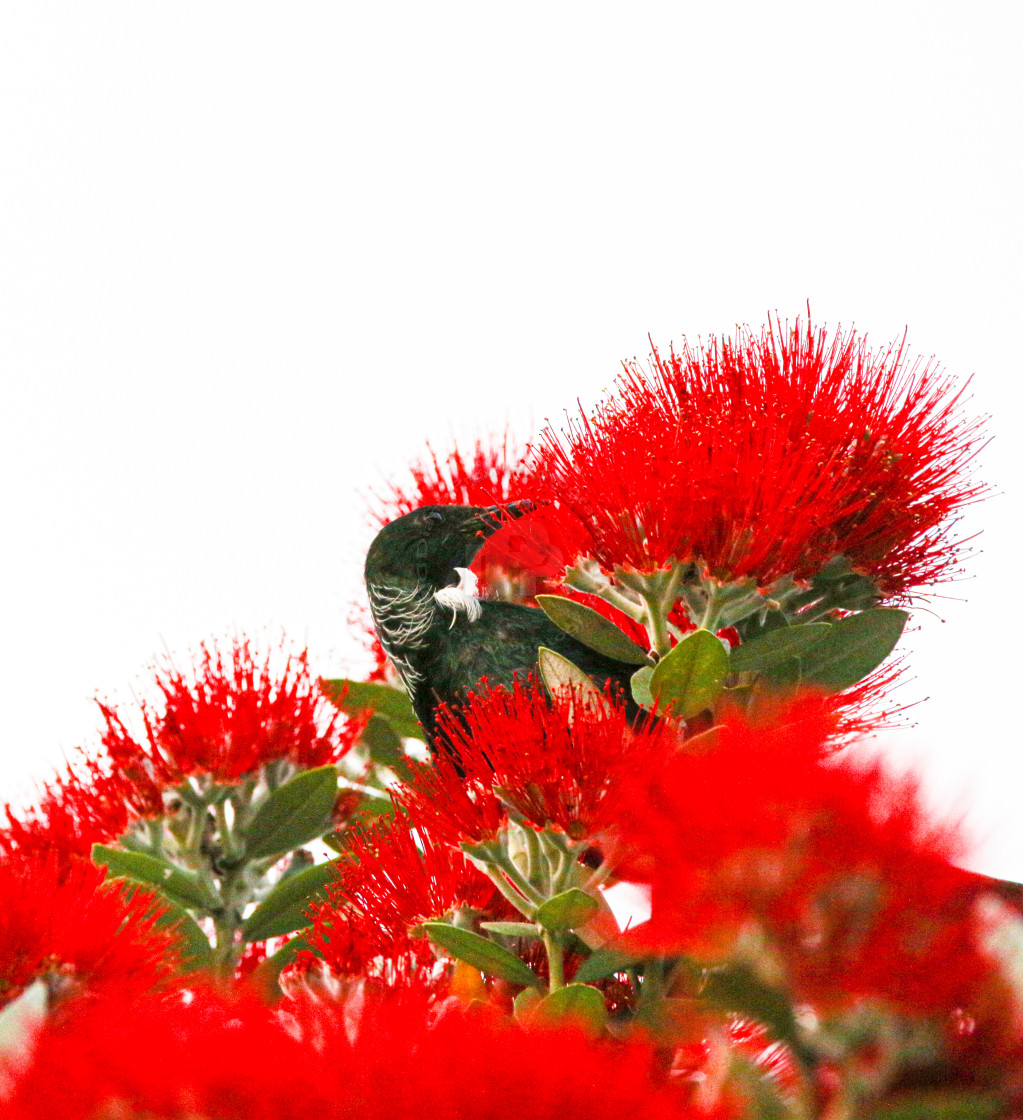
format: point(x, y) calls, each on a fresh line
point(428, 544)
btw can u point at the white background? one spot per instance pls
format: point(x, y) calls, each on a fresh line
point(253, 256)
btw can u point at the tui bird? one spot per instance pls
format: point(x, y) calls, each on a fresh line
point(441, 638)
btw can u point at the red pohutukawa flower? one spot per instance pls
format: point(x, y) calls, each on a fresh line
point(554, 761)
point(203, 1055)
point(834, 860)
point(523, 552)
point(836, 718)
point(401, 874)
point(766, 455)
point(61, 922)
point(392, 876)
point(494, 474)
point(454, 798)
point(350, 946)
point(84, 806)
point(233, 712)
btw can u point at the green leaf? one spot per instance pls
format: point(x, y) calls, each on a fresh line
point(592, 629)
point(513, 929)
point(567, 910)
point(691, 677)
point(854, 648)
point(382, 741)
point(640, 684)
point(558, 672)
point(738, 988)
point(837, 568)
point(283, 909)
point(525, 1003)
point(367, 810)
point(481, 953)
point(776, 647)
point(574, 1003)
point(385, 747)
point(837, 585)
point(940, 1106)
point(180, 886)
point(765, 1098)
point(295, 813)
point(761, 623)
point(266, 975)
point(359, 696)
point(581, 580)
point(784, 677)
point(196, 950)
point(602, 963)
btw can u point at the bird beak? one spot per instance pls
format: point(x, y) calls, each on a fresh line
point(494, 517)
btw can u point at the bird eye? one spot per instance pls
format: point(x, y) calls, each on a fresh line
point(435, 516)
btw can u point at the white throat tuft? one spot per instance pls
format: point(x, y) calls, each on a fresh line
point(463, 597)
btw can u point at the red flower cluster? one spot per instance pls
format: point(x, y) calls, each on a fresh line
point(787, 883)
point(200, 1054)
point(456, 803)
point(761, 456)
point(494, 474)
point(82, 807)
point(60, 921)
point(234, 712)
point(834, 860)
point(555, 762)
point(838, 718)
point(393, 875)
point(523, 552)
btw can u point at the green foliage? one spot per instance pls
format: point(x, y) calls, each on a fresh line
point(525, 1003)
point(194, 944)
point(765, 1099)
point(602, 963)
point(178, 885)
point(283, 909)
point(737, 988)
point(385, 746)
point(568, 910)
point(513, 929)
point(592, 629)
point(940, 1106)
point(266, 975)
point(691, 677)
point(640, 685)
point(854, 648)
point(196, 951)
point(574, 1004)
point(481, 953)
point(777, 646)
point(765, 621)
point(293, 814)
point(360, 696)
point(836, 586)
point(558, 673)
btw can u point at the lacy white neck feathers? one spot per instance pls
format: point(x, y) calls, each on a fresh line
point(462, 597)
